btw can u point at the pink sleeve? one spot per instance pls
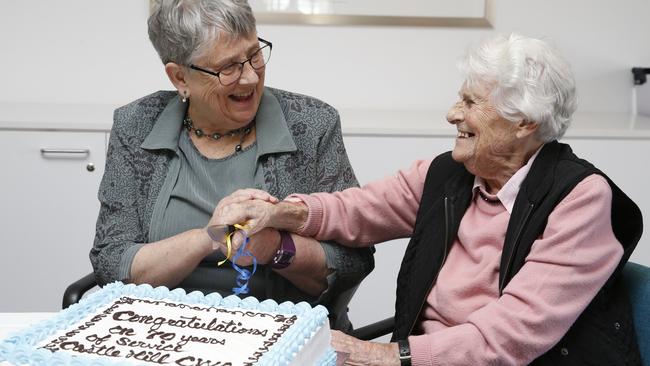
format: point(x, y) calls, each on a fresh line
point(379, 211)
point(565, 269)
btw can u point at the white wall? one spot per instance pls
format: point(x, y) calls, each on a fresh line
point(98, 52)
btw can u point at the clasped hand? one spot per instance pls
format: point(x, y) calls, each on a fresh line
point(253, 209)
point(256, 210)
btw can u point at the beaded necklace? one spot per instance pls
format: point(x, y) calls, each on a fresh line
point(243, 131)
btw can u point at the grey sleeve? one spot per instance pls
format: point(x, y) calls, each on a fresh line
point(119, 228)
point(348, 266)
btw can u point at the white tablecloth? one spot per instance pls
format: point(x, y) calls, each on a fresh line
point(10, 322)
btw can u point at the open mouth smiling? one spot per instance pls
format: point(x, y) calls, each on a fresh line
point(464, 134)
point(241, 97)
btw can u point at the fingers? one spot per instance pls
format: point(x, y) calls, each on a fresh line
point(242, 205)
point(255, 249)
point(238, 238)
point(253, 214)
point(244, 195)
point(236, 241)
point(254, 224)
point(253, 194)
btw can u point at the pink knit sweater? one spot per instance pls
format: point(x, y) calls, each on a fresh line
point(464, 321)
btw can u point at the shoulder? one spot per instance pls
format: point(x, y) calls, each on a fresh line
point(568, 162)
point(299, 102)
point(590, 179)
point(579, 175)
point(445, 160)
point(596, 190)
point(298, 107)
point(593, 189)
point(444, 166)
point(139, 116)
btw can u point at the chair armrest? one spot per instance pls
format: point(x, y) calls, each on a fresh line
point(375, 330)
point(75, 291)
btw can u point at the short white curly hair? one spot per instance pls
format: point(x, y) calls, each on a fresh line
point(529, 81)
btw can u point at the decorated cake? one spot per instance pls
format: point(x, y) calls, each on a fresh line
point(128, 324)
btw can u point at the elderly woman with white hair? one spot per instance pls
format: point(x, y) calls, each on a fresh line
point(517, 244)
point(173, 155)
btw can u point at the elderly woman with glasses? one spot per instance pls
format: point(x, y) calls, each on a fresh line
point(517, 245)
point(173, 155)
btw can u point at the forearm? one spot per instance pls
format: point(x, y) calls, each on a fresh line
point(364, 353)
point(167, 262)
point(289, 215)
point(308, 271)
point(379, 211)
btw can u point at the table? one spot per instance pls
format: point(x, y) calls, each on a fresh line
point(11, 322)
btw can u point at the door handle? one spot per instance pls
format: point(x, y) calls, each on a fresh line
point(73, 153)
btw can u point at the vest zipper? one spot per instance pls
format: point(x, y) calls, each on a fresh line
point(514, 248)
point(448, 218)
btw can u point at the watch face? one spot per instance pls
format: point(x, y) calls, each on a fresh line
point(282, 259)
point(277, 257)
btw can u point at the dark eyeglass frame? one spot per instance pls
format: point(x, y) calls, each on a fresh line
point(241, 64)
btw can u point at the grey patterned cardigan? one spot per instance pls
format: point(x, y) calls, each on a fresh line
point(135, 172)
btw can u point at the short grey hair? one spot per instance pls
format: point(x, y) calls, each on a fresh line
point(530, 80)
point(181, 30)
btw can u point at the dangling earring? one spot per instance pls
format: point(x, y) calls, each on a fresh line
point(184, 100)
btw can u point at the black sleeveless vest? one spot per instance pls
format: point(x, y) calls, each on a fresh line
point(604, 332)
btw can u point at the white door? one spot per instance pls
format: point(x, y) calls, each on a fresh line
point(48, 209)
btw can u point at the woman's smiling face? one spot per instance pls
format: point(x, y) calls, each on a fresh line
point(231, 106)
point(485, 140)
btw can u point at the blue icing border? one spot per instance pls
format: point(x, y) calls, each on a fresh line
point(19, 349)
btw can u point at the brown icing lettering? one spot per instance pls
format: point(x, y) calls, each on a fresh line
point(191, 361)
point(149, 356)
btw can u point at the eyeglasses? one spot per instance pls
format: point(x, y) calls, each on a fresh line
point(232, 72)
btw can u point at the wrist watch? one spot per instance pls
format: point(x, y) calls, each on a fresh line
point(404, 352)
point(284, 256)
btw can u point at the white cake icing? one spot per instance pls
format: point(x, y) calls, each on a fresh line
point(128, 324)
